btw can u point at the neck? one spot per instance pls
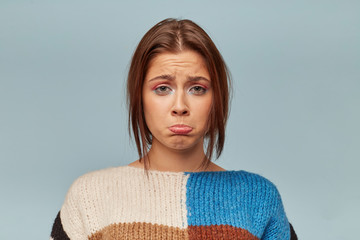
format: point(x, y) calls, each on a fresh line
point(165, 159)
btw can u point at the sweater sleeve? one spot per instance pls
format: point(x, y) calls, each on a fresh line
point(69, 221)
point(58, 232)
point(278, 227)
point(293, 235)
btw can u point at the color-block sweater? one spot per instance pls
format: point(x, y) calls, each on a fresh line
point(125, 203)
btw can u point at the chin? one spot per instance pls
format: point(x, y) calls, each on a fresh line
point(180, 146)
point(183, 145)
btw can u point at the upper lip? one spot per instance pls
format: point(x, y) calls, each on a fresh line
point(180, 125)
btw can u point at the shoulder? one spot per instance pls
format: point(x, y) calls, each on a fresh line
point(97, 174)
point(254, 179)
point(240, 182)
point(255, 184)
point(259, 193)
point(242, 190)
point(94, 180)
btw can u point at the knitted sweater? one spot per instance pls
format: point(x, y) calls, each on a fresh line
point(123, 203)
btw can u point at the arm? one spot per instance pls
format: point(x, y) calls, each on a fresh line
point(292, 233)
point(279, 226)
point(68, 223)
point(58, 232)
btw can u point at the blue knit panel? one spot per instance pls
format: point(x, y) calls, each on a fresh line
point(236, 198)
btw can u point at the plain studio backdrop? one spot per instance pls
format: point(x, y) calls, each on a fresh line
point(294, 119)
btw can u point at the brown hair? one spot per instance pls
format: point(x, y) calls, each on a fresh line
point(172, 35)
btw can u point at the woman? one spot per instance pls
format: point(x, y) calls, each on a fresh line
point(178, 94)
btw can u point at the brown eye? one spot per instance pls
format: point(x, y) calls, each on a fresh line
point(162, 90)
point(197, 90)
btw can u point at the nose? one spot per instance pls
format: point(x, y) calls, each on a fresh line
point(180, 107)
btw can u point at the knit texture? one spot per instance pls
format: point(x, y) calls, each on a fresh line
point(123, 203)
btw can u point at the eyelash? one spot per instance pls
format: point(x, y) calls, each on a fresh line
point(200, 91)
point(167, 90)
point(162, 93)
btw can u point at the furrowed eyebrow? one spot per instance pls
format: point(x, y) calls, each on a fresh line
point(172, 78)
point(164, 76)
point(197, 78)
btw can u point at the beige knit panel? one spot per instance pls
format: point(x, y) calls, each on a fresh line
point(139, 231)
point(125, 195)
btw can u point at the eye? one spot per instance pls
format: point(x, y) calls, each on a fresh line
point(163, 90)
point(198, 90)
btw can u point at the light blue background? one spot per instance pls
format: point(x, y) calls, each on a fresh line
point(295, 113)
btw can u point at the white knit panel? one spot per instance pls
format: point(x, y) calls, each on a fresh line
point(158, 200)
point(126, 195)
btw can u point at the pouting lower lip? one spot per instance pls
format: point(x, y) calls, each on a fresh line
point(180, 129)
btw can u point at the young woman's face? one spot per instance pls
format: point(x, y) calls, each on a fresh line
point(177, 99)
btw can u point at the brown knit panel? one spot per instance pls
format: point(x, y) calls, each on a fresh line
point(139, 231)
point(220, 232)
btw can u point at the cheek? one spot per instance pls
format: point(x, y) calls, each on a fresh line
point(155, 109)
point(154, 105)
point(202, 109)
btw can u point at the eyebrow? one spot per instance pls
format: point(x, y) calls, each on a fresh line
point(164, 76)
point(172, 78)
point(197, 78)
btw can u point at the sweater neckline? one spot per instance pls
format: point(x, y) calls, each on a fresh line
point(170, 172)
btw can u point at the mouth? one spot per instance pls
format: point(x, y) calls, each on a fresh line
point(180, 129)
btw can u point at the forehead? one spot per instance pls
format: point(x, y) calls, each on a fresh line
point(184, 61)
